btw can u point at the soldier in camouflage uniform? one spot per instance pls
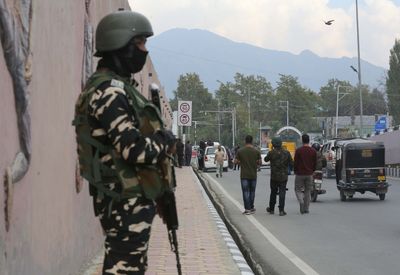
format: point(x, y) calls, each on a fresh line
point(279, 159)
point(114, 123)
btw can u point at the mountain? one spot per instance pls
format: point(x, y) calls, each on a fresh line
point(213, 57)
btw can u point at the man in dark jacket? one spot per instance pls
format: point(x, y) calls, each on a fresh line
point(305, 162)
point(188, 153)
point(234, 153)
point(280, 159)
point(179, 151)
point(249, 159)
point(200, 154)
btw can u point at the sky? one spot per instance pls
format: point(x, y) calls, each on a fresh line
point(287, 25)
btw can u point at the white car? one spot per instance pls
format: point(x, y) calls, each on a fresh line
point(329, 154)
point(264, 152)
point(209, 156)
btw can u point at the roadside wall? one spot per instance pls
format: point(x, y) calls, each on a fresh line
point(392, 146)
point(52, 227)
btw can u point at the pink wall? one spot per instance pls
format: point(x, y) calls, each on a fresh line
point(392, 146)
point(53, 229)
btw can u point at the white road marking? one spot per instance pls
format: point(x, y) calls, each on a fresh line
point(303, 266)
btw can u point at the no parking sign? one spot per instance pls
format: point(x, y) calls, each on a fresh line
point(184, 113)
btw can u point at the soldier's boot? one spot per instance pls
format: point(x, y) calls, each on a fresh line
point(270, 210)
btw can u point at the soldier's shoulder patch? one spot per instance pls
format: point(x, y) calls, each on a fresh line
point(117, 83)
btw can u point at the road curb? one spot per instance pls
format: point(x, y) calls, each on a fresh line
point(247, 253)
point(230, 243)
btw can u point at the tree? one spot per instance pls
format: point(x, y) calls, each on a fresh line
point(328, 96)
point(251, 90)
point(191, 88)
point(373, 102)
point(393, 82)
point(304, 104)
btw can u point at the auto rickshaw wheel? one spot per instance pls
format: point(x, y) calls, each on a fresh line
point(342, 196)
point(382, 196)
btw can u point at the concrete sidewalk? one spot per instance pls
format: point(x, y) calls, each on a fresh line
point(205, 246)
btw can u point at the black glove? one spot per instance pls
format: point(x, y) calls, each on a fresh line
point(164, 137)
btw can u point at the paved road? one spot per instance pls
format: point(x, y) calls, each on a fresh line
point(359, 236)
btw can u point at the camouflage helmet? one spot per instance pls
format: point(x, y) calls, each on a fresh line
point(116, 29)
point(276, 142)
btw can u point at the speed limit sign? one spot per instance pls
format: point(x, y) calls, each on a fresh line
point(184, 113)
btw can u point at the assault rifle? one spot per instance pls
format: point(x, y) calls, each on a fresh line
point(167, 202)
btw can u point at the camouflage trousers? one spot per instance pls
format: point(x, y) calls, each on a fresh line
point(127, 231)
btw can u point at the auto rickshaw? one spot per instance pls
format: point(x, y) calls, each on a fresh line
point(360, 167)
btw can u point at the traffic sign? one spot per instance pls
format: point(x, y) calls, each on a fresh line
point(184, 113)
point(380, 124)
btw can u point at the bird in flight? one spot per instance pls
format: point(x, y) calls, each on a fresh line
point(354, 69)
point(329, 22)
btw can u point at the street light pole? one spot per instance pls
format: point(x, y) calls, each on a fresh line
point(233, 113)
point(287, 110)
point(219, 124)
point(287, 113)
point(337, 110)
point(233, 126)
point(248, 105)
point(195, 132)
point(359, 73)
point(337, 105)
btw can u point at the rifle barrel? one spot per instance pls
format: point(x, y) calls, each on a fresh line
point(175, 243)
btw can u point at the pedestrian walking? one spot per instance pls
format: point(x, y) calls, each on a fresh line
point(188, 153)
point(219, 160)
point(249, 158)
point(236, 165)
point(112, 149)
point(280, 159)
point(180, 148)
point(200, 155)
point(305, 161)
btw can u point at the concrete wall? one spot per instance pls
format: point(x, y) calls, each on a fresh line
point(53, 229)
point(392, 146)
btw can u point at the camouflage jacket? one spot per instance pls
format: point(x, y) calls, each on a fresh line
point(279, 159)
point(113, 122)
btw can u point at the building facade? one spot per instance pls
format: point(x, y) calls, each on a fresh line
point(48, 226)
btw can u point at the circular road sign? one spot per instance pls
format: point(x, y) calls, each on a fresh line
point(184, 119)
point(185, 107)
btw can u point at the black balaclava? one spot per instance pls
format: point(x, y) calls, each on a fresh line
point(126, 61)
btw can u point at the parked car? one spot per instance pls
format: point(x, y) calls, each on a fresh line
point(329, 154)
point(264, 152)
point(209, 155)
